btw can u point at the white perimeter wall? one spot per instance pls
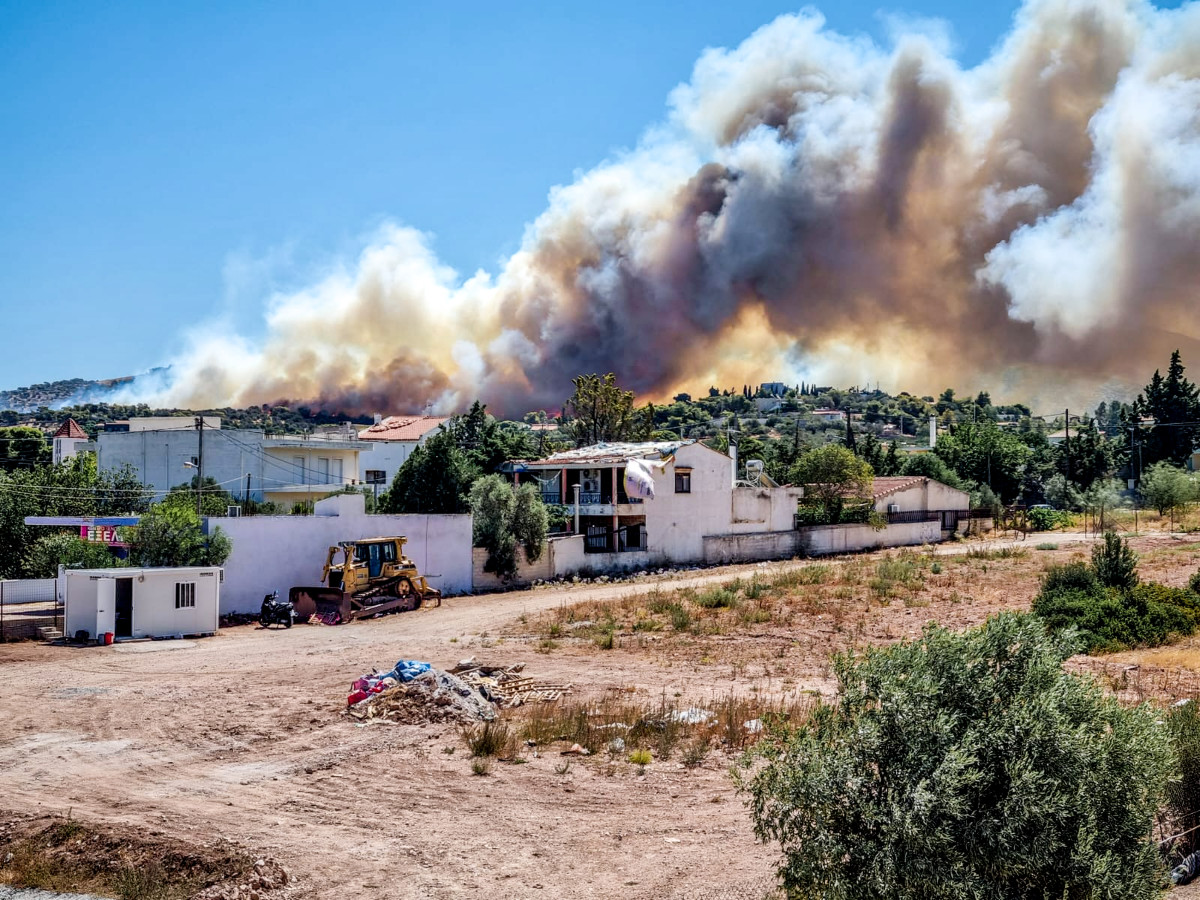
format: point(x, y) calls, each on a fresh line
point(275, 553)
point(824, 539)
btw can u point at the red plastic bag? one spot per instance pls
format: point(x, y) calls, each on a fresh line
point(356, 697)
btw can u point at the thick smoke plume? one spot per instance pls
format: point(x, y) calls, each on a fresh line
point(814, 206)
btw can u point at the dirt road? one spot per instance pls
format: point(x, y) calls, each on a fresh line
point(242, 736)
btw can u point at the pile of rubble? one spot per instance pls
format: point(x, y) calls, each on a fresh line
point(266, 877)
point(432, 696)
point(415, 692)
point(506, 686)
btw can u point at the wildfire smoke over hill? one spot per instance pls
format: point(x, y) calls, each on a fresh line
point(815, 205)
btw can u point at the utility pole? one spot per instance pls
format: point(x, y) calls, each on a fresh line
point(1067, 419)
point(199, 466)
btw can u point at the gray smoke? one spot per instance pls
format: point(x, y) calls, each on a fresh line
point(814, 207)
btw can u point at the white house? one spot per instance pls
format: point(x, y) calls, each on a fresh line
point(392, 441)
point(141, 603)
point(246, 462)
point(829, 416)
point(701, 514)
point(695, 500)
point(67, 440)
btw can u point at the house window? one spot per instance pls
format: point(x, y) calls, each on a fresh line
point(298, 462)
point(185, 595)
point(335, 471)
point(376, 476)
point(322, 470)
point(683, 481)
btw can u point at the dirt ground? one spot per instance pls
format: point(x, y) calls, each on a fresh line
point(242, 736)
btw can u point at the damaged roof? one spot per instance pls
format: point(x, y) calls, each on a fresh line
point(402, 428)
point(602, 454)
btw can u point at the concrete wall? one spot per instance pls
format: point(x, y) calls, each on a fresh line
point(275, 553)
point(527, 572)
point(732, 548)
point(824, 539)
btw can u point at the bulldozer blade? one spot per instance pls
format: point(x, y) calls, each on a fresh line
point(327, 603)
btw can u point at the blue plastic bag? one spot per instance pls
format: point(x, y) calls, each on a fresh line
point(408, 669)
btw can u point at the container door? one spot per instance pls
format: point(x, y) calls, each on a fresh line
point(106, 606)
point(123, 624)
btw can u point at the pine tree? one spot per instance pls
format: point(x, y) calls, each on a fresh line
point(1174, 404)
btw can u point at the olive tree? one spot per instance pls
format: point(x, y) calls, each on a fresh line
point(504, 517)
point(963, 765)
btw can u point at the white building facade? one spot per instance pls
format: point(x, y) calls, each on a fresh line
point(389, 442)
point(247, 463)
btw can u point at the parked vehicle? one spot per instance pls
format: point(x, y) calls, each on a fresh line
point(276, 612)
point(374, 577)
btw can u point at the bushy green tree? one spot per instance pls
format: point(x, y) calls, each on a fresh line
point(23, 447)
point(63, 548)
point(503, 518)
point(599, 410)
point(171, 535)
point(214, 499)
point(986, 454)
point(434, 479)
point(964, 765)
point(832, 477)
point(929, 465)
point(1167, 487)
point(71, 488)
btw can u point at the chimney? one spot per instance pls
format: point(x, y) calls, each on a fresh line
point(378, 418)
point(932, 432)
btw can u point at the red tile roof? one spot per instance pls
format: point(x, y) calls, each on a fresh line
point(71, 429)
point(882, 487)
point(402, 428)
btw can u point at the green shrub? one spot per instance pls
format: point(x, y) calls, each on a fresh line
point(1070, 577)
point(1114, 562)
point(1194, 583)
point(1047, 519)
point(1109, 619)
point(717, 598)
point(1183, 794)
point(963, 765)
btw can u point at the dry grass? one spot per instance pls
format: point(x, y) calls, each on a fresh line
point(782, 623)
point(661, 727)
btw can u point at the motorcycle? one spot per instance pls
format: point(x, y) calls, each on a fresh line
point(276, 612)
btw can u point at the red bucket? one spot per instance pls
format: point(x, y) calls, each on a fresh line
point(108, 638)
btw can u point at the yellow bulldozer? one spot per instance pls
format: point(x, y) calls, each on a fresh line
point(374, 577)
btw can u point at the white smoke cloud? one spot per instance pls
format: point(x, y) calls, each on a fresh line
point(812, 205)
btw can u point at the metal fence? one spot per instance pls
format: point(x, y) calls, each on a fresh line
point(27, 606)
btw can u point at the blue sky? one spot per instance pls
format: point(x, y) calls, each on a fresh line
point(164, 163)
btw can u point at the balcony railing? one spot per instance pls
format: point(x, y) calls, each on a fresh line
point(913, 515)
point(626, 539)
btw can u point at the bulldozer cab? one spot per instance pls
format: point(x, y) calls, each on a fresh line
point(375, 555)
